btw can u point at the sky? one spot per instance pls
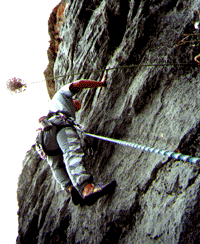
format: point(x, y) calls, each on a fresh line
point(24, 44)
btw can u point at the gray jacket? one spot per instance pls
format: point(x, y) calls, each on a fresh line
point(62, 101)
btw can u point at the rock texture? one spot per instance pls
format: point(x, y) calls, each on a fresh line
point(55, 22)
point(157, 199)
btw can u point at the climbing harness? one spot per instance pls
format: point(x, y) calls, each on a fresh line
point(177, 156)
point(50, 126)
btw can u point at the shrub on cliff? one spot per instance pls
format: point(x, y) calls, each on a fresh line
point(16, 85)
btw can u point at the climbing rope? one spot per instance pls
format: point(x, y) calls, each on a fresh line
point(112, 68)
point(177, 156)
point(124, 67)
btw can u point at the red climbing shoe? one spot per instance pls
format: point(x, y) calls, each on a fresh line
point(92, 193)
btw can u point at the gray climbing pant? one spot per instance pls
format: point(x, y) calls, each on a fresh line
point(59, 170)
point(68, 168)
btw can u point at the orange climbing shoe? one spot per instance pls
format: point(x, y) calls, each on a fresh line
point(92, 193)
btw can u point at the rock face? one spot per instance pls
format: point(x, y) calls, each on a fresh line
point(157, 199)
point(55, 22)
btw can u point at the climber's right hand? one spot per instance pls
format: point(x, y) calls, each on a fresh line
point(103, 81)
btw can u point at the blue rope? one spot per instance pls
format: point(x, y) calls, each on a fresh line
point(177, 156)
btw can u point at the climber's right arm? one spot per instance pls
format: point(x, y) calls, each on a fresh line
point(78, 85)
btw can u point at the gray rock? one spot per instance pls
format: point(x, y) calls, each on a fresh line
point(156, 199)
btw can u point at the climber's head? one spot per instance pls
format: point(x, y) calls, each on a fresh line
point(77, 105)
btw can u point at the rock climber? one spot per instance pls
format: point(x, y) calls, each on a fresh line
point(67, 167)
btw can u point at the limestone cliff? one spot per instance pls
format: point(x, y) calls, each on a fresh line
point(156, 199)
point(56, 19)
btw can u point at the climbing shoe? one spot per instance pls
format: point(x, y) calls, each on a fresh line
point(75, 196)
point(92, 193)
